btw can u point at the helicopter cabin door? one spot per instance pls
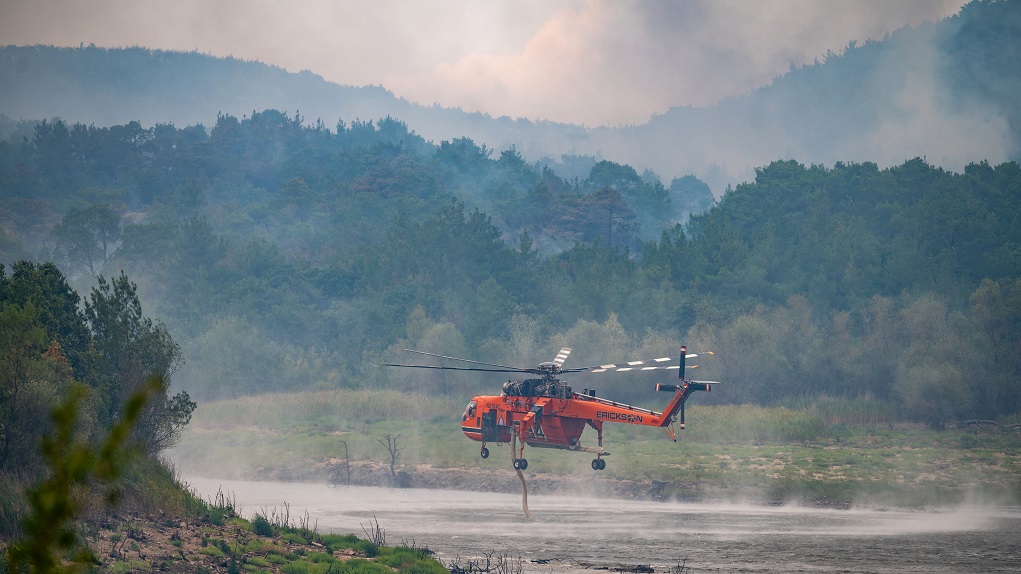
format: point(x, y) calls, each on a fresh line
point(489, 431)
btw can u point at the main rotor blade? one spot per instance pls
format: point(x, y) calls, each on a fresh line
point(625, 369)
point(454, 368)
point(629, 369)
point(561, 356)
point(646, 365)
point(510, 369)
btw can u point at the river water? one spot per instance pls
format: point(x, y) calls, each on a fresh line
point(585, 535)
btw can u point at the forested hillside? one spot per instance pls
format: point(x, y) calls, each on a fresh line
point(284, 255)
point(945, 91)
point(107, 86)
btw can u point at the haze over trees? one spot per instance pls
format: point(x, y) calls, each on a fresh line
point(945, 91)
point(281, 253)
point(284, 255)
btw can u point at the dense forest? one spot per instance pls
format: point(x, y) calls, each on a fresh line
point(285, 255)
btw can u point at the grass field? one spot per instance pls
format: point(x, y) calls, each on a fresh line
point(829, 452)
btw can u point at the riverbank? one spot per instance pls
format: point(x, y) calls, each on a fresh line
point(126, 542)
point(831, 493)
point(832, 476)
point(157, 523)
point(497, 480)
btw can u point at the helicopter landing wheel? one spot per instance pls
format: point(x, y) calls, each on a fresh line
point(484, 453)
point(598, 464)
point(520, 464)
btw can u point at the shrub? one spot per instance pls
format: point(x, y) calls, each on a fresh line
point(261, 526)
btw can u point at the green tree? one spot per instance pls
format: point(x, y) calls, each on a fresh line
point(690, 195)
point(996, 312)
point(594, 343)
point(22, 342)
point(524, 340)
point(756, 369)
point(489, 311)
point(929, 385)
point(88, 237)
point(46, 288)
point(131, 348)
point(622, 178)
point(463, 155)
point(235, 358)
point(933, 393)
point(442, 338)
point(881, 343)
point(41, 328)
point(602, 215)
point(588, 281)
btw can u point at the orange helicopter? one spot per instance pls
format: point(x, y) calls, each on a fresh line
point(545, 412)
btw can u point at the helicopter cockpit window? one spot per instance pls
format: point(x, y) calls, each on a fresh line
point(470, 411)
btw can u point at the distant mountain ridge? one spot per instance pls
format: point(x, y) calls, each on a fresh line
point(946, 91)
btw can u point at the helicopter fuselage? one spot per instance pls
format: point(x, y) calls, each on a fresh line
point(545, 412)
point(550, 415)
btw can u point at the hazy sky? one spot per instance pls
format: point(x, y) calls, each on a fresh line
point(591, 62)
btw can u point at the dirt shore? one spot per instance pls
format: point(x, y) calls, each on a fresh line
point(133, 542)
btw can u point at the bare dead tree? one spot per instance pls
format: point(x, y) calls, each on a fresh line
point(347, 467)
point(392, 448)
